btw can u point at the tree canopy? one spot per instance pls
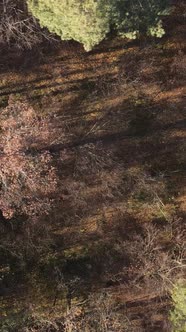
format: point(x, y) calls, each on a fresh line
point(89, 21)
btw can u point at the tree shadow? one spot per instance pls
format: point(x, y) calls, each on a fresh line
point(123, 154)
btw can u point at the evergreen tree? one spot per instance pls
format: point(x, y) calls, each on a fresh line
point(178, 315)
point(133, 17)
point(89, 21)
point(84, 21)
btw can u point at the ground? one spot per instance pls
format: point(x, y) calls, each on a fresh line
point(121, 161)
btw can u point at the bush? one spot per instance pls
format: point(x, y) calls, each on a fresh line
point(89, 21)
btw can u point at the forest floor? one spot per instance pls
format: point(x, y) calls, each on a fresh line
point(121, 157)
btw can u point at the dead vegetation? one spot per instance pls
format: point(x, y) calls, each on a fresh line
point(28, 181)
point(113, 124)
point(18, 29)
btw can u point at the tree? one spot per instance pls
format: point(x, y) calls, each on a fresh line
point(133, 17)
point(178, 315)
point(84, 21)
point(28, 181)
point(89, 21)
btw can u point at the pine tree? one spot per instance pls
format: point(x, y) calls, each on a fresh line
point(89, 21)
point(84, 21)
point(178, 315)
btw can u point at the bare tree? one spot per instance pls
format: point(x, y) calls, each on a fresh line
point(18, 27)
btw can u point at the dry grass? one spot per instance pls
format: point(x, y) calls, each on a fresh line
point(121, 162)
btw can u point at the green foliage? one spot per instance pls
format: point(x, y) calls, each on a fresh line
point(133, 17)
point(178, 315)
point(84, 21)
point(89, 21)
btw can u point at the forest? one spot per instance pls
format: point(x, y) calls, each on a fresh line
point(92, 166)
